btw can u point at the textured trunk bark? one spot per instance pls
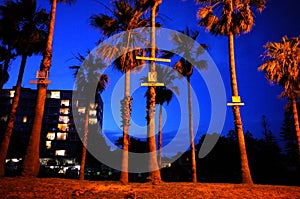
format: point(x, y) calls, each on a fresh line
point(246, 176)
point(153, 166)
point(31, 164)
point(11, 117)
point(295, 112)
point(160, 136)
point(85, 140)
point(124, 172)
point(191, 130)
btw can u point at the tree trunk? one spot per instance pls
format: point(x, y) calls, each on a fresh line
point(246, 176)
point(11, 117)
point(31, 162)
point(191, 129)
point(160, 136)
point(153, 166)
point(296, 119)
point(126, 121)
point(84, 145)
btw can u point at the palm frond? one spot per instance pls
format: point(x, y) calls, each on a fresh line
point(281, 64)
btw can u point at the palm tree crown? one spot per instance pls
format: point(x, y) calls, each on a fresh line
point(282, 64)
point(221, 17)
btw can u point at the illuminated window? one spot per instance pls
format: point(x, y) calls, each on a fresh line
point(64, 119)
point(11, 93)
point(64, 111)
point(55, 94)
point(60, 153)
point(92, 112)
point(81, 110)
point(24, 119)
point(61, 136)
point(92, 120)
point(65, 103)
point(4, 118)
point(63, 127)
point(51, 136)
point(48, 144)
point(93, 105)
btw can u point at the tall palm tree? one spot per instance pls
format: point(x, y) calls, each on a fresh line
point(85, 76)
point(185, 68)
point(125, 16)
point(31, 164)
point(281, 65)
point(154, 174)
point(230, 18)
point(30, 39)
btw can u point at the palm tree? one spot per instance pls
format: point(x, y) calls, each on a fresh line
point(185, 68)
point(30, 39)
point(163, 94)
point(230, 18)
point(6, 55)
point(281, 65)
point(31, 164)
point(85, 77)
point(126, 15)
point(8, 29)
point(154, 174)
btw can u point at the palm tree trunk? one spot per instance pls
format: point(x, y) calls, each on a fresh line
point(12, 117)
point(126, 120)
point(85, 137)
point(31, 162)
point(153, 166)
point(191, 129)
point(246, 176)
point(296, 119)
point(160, 136)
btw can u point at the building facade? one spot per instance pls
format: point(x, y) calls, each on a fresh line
point(60, 143)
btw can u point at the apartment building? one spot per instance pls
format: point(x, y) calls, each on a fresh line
point(60, 143)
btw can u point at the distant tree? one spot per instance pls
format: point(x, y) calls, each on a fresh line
point(268, 135)
point(289, 137)
point(8, 32)
point(231, 18)
point(222, 163)
point(125, 16)
point(85, 77)
point(31, 163)
point(30, 38)
point(281, 65)
point(185, 68)
point(164, 94)
point(6, 55)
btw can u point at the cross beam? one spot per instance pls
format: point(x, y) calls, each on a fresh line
point(153, 59)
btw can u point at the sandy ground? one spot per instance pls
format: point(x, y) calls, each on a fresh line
point(19, 187)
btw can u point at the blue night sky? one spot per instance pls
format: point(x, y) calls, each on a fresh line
point(73, 35)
